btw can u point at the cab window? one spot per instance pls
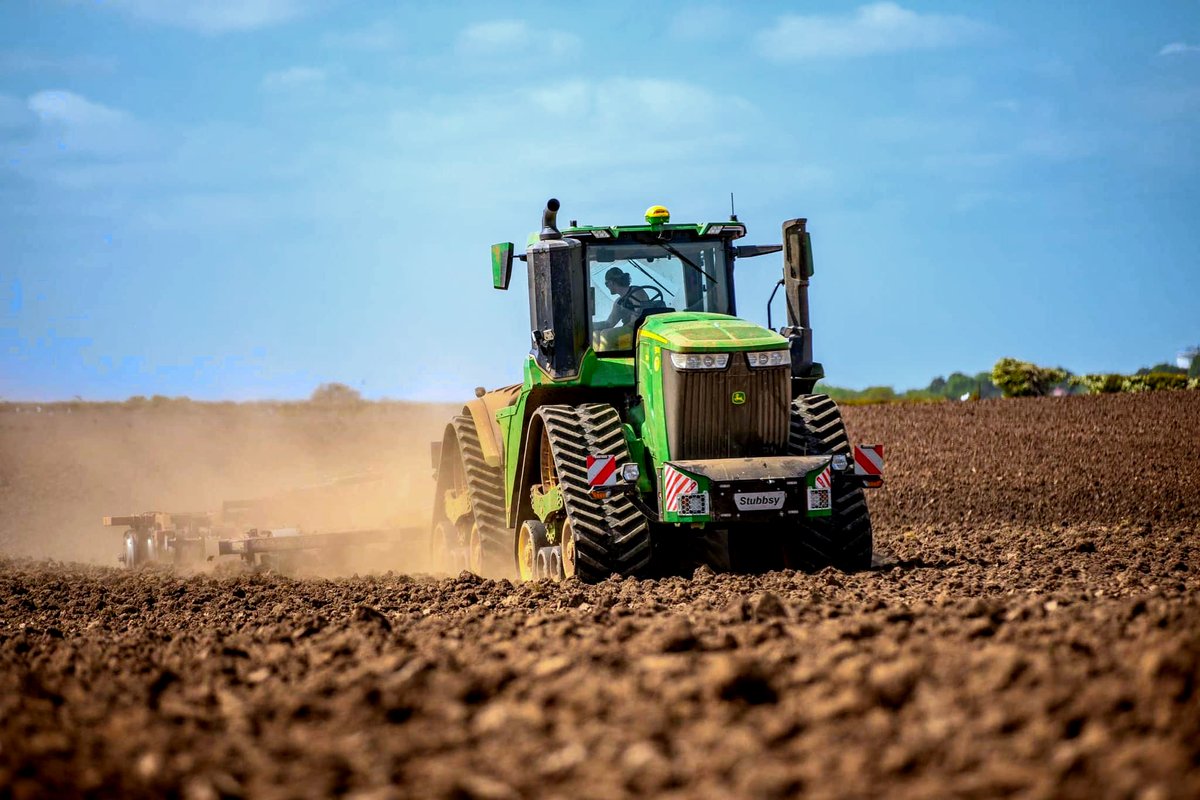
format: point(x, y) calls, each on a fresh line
point(631, 281)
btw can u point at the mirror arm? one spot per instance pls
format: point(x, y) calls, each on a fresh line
point(752, 250)
point(771, 299)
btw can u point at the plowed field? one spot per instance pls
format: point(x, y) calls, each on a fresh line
point(1034, 630)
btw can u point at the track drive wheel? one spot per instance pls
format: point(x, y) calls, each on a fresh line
point(844, 539)
point(600, 536)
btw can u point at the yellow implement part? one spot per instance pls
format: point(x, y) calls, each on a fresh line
point(483, 414)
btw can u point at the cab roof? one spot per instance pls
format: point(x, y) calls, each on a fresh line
point(633, 233)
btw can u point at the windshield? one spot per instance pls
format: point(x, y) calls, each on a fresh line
point(630, 281)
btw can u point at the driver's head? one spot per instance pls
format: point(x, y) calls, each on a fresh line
point(616, 279)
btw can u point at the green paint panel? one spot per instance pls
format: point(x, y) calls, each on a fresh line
point(545, 504)
point(694, 331)
point(593, 371)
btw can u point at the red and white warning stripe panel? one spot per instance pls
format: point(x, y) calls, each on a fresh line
point(602, 470)
point(825, 479)
point(675, 483)
point(868, 460)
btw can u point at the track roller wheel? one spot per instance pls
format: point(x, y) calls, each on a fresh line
point(567, 554)
point(445, 548)
point(531, 539)
point(548, 563)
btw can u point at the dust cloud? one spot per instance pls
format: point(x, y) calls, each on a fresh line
point(321, 468)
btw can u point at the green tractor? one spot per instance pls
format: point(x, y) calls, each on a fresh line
point(654, 430)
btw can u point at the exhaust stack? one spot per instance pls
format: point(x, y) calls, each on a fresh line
point(550, 221)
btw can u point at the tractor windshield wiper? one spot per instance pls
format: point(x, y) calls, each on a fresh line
point(685, 260)
point(638, 267)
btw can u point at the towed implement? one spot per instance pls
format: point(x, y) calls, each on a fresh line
point(654, 430)
point(259, 531)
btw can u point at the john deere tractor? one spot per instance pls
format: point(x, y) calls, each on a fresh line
point(654, 430)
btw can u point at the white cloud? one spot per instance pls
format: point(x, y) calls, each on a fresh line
point(25, 61)
point(701, 23)
point(638, 106)
point(872, 29)
point(293, 77)
point(212, 16)
point(377, 37)
point(653, 127)
point(15, 114)
point(1178, 48)
point(513, 36)
point(70, 125)
point(68, 108)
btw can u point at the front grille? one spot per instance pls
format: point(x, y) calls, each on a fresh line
point(704, 422)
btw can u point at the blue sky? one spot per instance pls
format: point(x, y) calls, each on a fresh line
point(244, 198)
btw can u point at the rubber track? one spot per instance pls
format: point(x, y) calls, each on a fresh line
point(485, 490)
point(611, 535)
point(844, 539)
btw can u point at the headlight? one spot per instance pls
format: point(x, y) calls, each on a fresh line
point(839, 462)
point(737, 231)
point(700, 360)
point(768, 358)
point(630, 473)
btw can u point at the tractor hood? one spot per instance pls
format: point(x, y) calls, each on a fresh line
point(687, 331)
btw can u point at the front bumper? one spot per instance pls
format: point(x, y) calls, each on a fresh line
point(764, 489)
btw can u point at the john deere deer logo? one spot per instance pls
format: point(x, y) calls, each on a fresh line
point(738, 398)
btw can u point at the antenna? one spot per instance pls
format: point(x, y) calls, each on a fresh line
point(732, 213)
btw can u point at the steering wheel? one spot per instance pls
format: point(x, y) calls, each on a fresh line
point(653, 295)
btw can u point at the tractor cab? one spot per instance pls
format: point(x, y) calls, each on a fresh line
point(592, 287)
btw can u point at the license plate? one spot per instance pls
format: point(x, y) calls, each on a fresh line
point(759, 501)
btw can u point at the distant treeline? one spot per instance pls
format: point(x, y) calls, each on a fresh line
point(1013, 378)
point(959, 386)
point(332, 396)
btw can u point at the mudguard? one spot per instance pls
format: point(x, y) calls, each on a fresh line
point(483, 413)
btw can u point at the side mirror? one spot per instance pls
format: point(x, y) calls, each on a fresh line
point(797, 250)
point(502, 258)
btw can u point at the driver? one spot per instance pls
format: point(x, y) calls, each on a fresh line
point(630, 299)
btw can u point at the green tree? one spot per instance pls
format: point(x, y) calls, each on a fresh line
point(878, 394)
point(959, 384)
point(335, 394)
point(1164, 368)
point(987, 389)
point(1024, 379)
